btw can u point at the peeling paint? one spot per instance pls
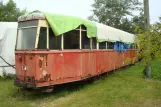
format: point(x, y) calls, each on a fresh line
point(44, 72)
point(41, 57)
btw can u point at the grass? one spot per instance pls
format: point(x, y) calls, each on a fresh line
point(156, 69)
point(126, 88)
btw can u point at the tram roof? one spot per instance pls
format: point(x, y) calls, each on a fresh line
point(62, 23)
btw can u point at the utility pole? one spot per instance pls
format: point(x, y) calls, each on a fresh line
point(146, 14)
point(147, 24)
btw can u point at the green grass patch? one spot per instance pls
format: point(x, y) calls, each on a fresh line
point(125, 88)
point(156, 69)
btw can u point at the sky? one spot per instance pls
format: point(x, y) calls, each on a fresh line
point(81, 8)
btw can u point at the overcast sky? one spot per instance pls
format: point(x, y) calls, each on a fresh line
point(81, 8)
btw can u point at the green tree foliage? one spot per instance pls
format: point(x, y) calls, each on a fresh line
point(150, 39)
point(9, 12)
point(138, 21)
point(117, 13)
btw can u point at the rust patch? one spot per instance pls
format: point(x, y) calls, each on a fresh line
point(44, 72)
point(46, 62)
point(31, 56)
point(45, 78)
point(41, 58)
point(40, 63)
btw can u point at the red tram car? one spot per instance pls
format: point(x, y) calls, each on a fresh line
point(57, 49)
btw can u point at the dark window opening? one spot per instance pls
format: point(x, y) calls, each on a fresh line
point(42, 38)
point(82, 27)
point(132, 46)
point(71, 40)
point(94, 42)
point(85, 41)
point(54, 41)
point(102, 45)
point(110, 45)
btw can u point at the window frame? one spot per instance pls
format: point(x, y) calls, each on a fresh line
point(80, 39)
point(18, 35)
point(42, 23)
point(47, 39)
point(105, 45)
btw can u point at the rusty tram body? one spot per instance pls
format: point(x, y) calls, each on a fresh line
point(43, 59)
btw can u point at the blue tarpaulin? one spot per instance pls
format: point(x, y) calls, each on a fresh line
point(119, 46)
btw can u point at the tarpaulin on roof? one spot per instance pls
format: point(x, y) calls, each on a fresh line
point(62, 23)
point(107, 33)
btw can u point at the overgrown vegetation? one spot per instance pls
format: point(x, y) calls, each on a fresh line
point(150, 43)
point(124, 88)
point(150, 48)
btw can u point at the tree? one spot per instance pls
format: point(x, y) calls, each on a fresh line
point(138, 21)
point(153, 40)
point(1, 11)
point(115, 13)
point(9, 12)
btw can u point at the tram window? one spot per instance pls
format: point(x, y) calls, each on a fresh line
point(28, 23)
point(102, 45)
point(54, 41)
point(85, 41)
point(132, 46)
point(94, 42)
point(26, 38)
point(71, 40)
point(42, 38)
point(110, 45)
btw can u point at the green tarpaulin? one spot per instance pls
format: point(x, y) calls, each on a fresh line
point(61, 24)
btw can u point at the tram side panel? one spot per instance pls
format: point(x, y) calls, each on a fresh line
point(63, 67)
point(88, 64)
point(102, 62)
point(25, 67)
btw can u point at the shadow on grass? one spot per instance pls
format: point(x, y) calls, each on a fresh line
point(59, 91)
